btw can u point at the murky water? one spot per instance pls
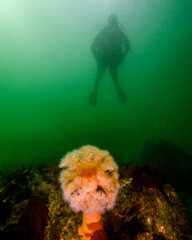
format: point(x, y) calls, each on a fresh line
point(47, 73)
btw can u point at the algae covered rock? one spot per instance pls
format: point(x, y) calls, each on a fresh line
point(147, 208)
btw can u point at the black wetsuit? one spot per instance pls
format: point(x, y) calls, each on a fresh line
point(109, 48)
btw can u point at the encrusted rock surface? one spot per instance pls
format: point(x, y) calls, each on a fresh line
point(147, 207)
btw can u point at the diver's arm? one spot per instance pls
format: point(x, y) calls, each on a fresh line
point(126, 45)
point(94, 47)
point(96, 43)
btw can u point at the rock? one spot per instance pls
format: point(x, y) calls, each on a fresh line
point(5, 211)
point(32, 223)
point(18, 175)
point(127, 171)
point(147, 207)
point(22, 194)
point(173, 160)
point(9, 189)
point(99, 235)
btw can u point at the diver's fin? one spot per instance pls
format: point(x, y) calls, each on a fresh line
point(121, 95)
point(93, 98)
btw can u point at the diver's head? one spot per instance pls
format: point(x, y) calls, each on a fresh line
point(113, 19)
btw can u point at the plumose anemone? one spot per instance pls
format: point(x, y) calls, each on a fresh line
point(89, 182)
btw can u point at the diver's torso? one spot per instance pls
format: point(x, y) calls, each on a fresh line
point(110, 44)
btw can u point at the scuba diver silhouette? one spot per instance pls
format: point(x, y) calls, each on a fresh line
point(110, 47)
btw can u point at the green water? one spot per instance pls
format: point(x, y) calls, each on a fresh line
point(47, 73)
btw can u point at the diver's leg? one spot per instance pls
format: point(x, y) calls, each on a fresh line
point(120, 93)
point(100, 71)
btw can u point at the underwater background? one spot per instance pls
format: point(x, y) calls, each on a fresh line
point(47, 73)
